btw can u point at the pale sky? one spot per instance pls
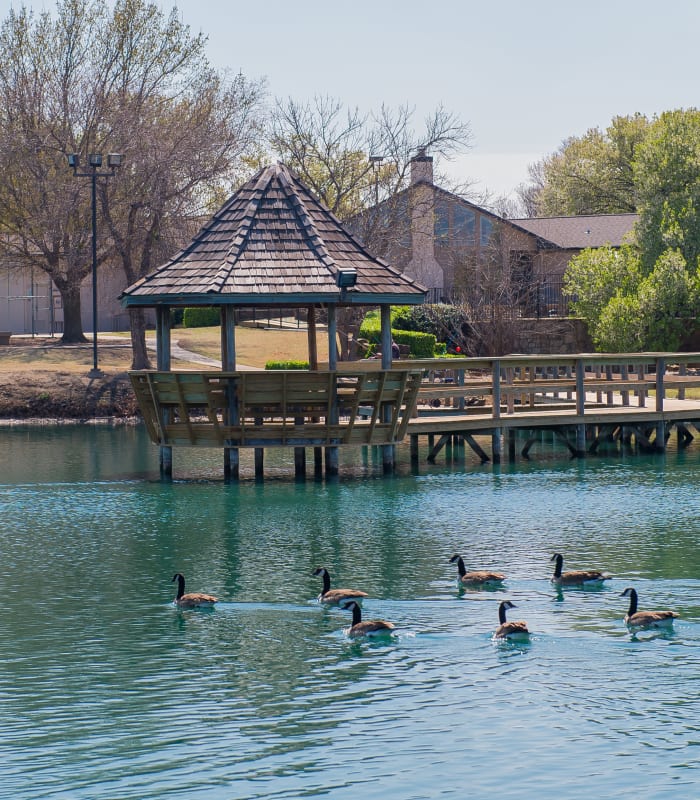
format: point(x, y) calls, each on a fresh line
point(525, 75)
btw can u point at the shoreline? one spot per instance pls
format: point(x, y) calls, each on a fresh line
point(10, 422)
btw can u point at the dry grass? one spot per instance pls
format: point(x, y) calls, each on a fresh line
point(43, 379)
point(254, 347)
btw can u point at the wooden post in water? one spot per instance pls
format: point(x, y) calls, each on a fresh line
point(511, 445)
point(163, 362)
point(228, 364)
point(386, 410)
point(496, 399)
point(580, 407)
point(332, 452)
point(313, 364)
point(414, 448)
point(660, 426)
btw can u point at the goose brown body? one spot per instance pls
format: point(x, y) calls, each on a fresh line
point(510, 630)
point(334, 597)
point(370, 627)
point(646, 619)
point(479, 577)
point(575, 577)
point(191, 599)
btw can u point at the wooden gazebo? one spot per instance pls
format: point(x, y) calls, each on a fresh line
point(272, 244)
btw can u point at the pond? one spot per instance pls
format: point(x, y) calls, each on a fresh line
point(109, 691)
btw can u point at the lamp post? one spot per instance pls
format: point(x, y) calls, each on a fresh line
point(114, 160)
point(376, 162)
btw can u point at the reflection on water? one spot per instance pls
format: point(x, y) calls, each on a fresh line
point(109, 691)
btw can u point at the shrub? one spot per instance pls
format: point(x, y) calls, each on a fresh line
point(287, 365)
point(422, 344)
point(200, 317)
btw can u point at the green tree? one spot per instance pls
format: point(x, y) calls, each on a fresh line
point(589, 174)
point(667, 177)
point(667, 298)
point(627, 310)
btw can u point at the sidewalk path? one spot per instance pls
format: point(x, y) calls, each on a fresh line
point(195, 358)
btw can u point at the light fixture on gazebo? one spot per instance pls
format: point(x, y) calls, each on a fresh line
point(345, 278)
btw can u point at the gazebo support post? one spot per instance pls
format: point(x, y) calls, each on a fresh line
point(228, 364)
point(163, 360)
point(388, 450)
point(312, 347)
point(332, 451)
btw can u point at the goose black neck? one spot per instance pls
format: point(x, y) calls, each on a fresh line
point(326, 581)
point(180, 586)
point(633, 603)
point(356, 614)
point(558, 563)
point(461, 568)
point(502, 613)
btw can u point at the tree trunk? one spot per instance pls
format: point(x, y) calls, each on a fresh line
point(72, 320)
point(137, 320)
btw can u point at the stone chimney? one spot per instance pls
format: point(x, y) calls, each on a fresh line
point(421, 168)
point(423, 266)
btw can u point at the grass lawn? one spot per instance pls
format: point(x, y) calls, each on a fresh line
point(254, 347)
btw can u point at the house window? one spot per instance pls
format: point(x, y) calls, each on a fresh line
point(486, 231)
point(464, 220)
point(442, 223)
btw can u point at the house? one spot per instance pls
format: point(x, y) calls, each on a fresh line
point(456, 248)
point(453, 247)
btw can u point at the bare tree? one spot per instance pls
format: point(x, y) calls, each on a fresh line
point(358, 164)
point(125, 79)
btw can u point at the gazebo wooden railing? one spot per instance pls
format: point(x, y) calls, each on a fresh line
point(276, 408)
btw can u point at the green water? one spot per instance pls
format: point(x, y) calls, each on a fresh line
point(107, 691)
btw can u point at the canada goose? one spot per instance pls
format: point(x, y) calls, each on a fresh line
point(334, 597)
point(510, 630)
point(576, 577)
point(646, 619)
point(191, 599)
point(372, 627)
point(476, 577)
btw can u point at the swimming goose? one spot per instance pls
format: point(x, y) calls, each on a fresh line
point(334, 597)
point(191, 599)
point(646, 619)
point(576, 577)
point(372, 627)
point(510, 630)
point(479, 577)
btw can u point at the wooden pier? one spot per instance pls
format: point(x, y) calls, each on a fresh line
point(583, 399)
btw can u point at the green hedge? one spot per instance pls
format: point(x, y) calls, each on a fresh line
point(422, 345)
point(201, 317)
point(287, 365)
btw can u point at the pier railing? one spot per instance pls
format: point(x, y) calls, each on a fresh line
point(361, 403)
point(276, 408)
point(516, 383)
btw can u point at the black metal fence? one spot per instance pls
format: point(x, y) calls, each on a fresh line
point(543, 298)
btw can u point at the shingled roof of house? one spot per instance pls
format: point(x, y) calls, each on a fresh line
point(577, 233)
point(273, 243)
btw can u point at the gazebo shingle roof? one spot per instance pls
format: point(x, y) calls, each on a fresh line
point(272, 242)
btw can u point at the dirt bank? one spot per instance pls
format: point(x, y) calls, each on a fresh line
point(63, 395)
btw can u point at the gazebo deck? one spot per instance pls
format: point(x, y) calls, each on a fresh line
point(276, 408)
